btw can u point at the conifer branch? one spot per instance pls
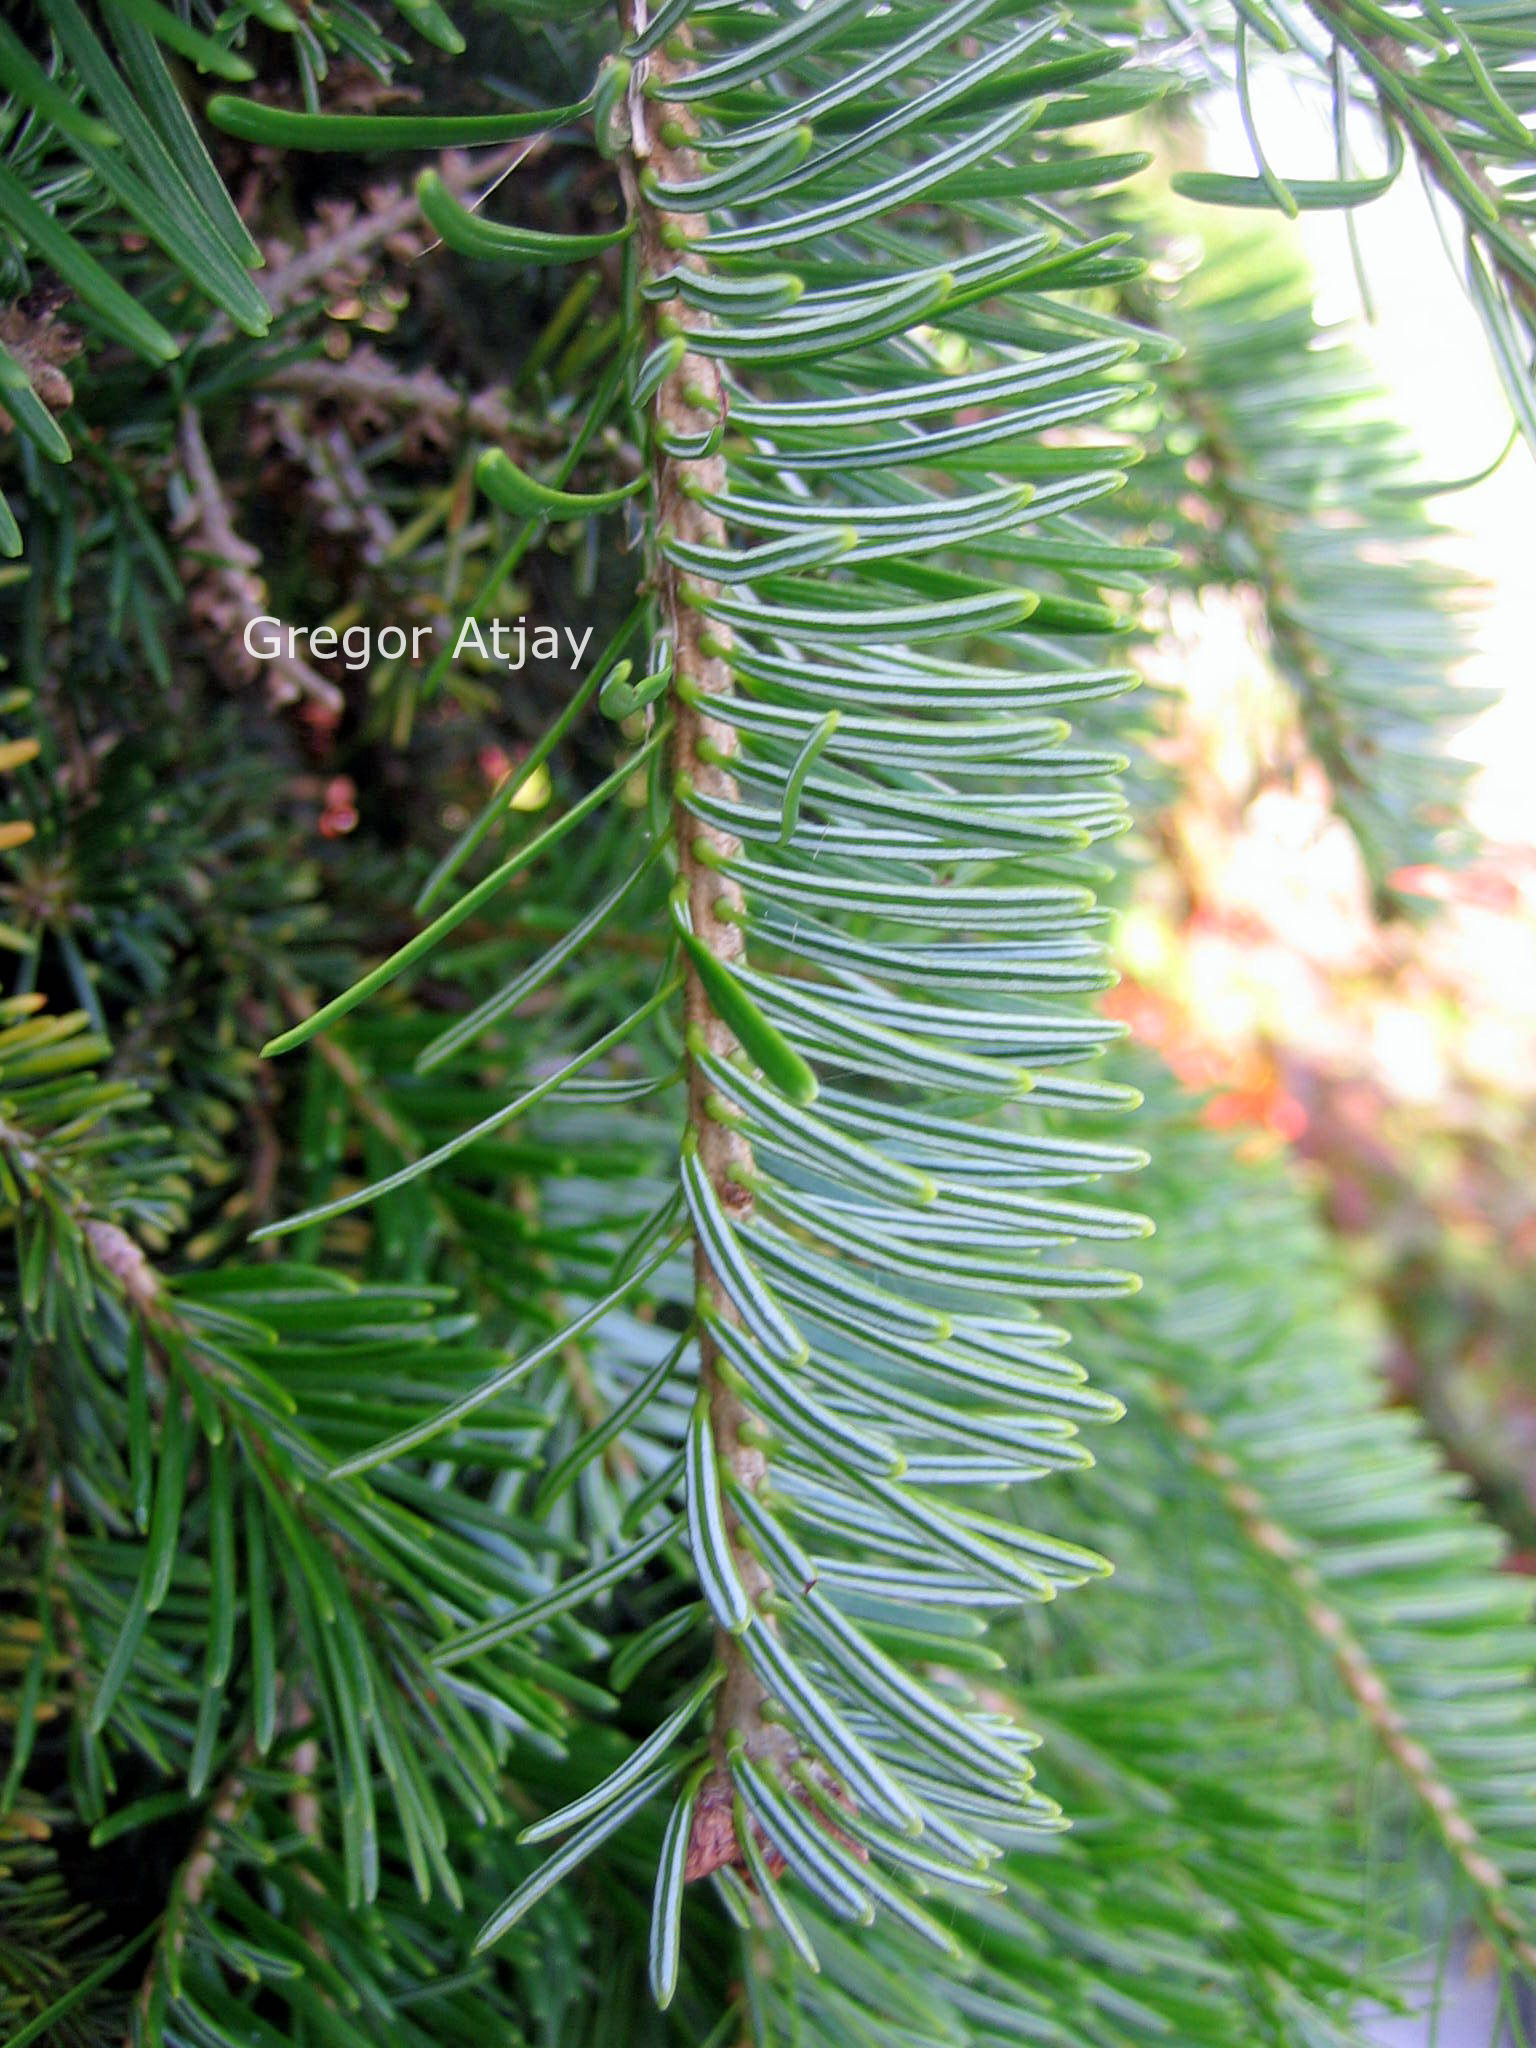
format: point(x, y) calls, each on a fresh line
point(1363, 1679)
point(1296, 484)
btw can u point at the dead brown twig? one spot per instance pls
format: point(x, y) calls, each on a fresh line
point(231, 594)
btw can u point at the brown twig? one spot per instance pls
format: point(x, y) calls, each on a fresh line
point(367, 378)
point(285, 281)
point(235, 594)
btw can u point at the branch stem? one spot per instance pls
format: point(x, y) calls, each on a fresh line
point(691, 400)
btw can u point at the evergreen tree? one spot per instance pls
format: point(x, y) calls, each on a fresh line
point(583, 1334)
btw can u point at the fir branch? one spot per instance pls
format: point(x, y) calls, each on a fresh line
point(1364, 1680)
point(1296, 471)
point(1248, 1347)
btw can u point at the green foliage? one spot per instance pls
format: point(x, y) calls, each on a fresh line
point(561, 1434)
point(1449, 86)
point(1274, 428)
point(138, 151)
point(860, 1312)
